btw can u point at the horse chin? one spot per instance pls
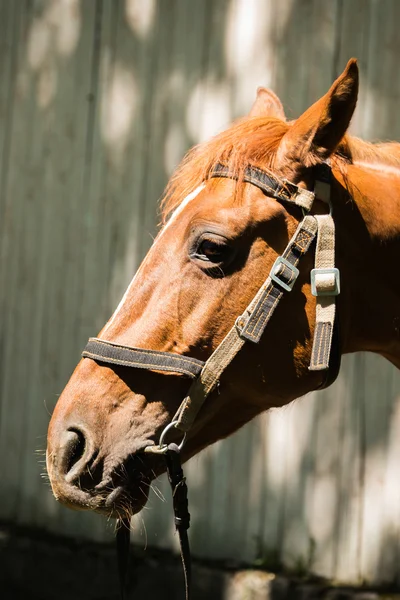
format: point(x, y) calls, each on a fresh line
point(125, 497)
point(122, 502)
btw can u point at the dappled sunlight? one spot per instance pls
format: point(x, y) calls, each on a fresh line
point(277, 434)
point(118, 104)
point(47, 85)
point(140, 16)
point(52, 33)
point(174, 146)
point(391, 477)
point(321, 507)
point(38, 45)
point(208, 109)
point(245, 25)
point(66, 19)
point(249, 51)
point(299, 424)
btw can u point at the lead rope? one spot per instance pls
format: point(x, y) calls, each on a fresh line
point(123, 544)
point(178, 485)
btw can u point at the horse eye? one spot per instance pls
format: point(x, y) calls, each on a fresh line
point(211, 250)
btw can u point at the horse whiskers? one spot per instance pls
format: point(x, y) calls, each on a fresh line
point(145, 533)
point(155, 489)
point(127, 515)
point(158, 492)
point(89, 471)
point(46, 407)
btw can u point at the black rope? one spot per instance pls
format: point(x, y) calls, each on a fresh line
point(123, 544)
point(181, 511)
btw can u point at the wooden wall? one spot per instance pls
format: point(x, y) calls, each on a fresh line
point(99, 99)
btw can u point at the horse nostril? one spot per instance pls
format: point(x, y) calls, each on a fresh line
point(73, 446)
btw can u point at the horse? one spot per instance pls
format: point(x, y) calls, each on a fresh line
point(295, 218)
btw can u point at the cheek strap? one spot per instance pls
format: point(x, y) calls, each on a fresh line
point(250, 325)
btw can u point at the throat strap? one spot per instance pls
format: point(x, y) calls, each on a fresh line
point(325, 285)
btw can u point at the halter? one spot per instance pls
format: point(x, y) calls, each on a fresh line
point(248, 328)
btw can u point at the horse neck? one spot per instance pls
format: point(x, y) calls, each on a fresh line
point(368, 253)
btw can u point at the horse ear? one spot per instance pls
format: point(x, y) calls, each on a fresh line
point(315, 135)
point(267, 104)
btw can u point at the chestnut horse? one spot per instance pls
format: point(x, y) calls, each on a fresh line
point(222, 234)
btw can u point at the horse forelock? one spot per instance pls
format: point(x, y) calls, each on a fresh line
point(253, 140)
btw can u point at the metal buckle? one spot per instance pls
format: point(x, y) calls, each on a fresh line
point(314, 282)
point(162, 436)
point(162, 447)
point(282, 261)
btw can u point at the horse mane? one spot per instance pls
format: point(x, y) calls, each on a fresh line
point(355, 149)
point(254, 141)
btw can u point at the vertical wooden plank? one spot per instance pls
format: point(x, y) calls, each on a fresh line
point(295, 543)
point(353, 39)
point(378, 406)
point(305, 49)
point(154, 170)
point(13, 266)
point(276, 434)
point(336, 418)
point(351, 472)
point(386, 563)
point(8, 16)
point(9, 24)
point(383, 86)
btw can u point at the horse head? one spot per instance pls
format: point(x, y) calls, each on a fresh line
point(221, 236)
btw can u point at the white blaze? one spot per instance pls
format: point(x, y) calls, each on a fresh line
point(177, 211)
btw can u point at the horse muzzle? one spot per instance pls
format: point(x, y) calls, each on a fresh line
point(82, 479)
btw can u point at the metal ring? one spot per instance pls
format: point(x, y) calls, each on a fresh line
point(162, 436)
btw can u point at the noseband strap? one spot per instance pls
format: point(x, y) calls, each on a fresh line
point(139, 358)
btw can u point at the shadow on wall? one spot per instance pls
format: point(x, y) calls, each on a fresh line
point(98, 103)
